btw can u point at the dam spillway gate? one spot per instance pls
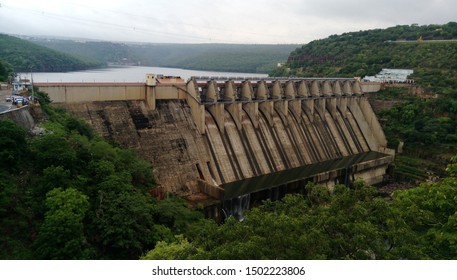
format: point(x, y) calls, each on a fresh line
point(228, 138)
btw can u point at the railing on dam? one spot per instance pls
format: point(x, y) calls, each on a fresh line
point(93, 92)
point(262, 88)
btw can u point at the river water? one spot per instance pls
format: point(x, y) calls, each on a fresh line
point(127, 74)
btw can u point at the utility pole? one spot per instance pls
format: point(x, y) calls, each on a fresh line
point(31, 80)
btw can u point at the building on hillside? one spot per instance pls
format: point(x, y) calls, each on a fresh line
point(391, 76)
point(20, 85)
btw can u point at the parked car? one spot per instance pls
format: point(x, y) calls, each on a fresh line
point(17, 100)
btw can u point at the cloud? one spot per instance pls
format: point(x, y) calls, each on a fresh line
point(204, 21)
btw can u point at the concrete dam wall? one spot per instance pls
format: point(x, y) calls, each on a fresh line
point(225, 139)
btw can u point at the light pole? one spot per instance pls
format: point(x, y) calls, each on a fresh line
point(31, 80)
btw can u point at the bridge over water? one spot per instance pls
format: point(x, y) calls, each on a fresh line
point(236, 140)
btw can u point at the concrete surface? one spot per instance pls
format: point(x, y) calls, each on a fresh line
point(4, 106)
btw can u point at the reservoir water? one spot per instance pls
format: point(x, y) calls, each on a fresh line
point(127, 74)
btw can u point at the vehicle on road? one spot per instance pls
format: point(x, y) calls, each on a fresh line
point(20, 101)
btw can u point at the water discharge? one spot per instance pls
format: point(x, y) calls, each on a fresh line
point(237, 206)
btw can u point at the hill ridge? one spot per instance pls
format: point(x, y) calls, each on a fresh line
point(363, 53)
point(260, 58)
point(23, 55)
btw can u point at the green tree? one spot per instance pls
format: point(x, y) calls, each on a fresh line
point(122, 226)
point(54, 150)
point(13, 145)
point(430, 210)
point(61, 236)
point(362, 225)
point(174, 213)
point(180, 249)
point(452, 167)
point(74, 196)
point(338, 223)
point(53, 177)
point(80, 126)
point(7, 191)
point(5, 71)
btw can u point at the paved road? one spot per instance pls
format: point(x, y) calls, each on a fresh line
point(4, 108)
point(3, 104)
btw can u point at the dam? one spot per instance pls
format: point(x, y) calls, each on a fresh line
point(231, 141)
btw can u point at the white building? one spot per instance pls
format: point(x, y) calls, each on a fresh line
point(390, 76)
point(20, 86)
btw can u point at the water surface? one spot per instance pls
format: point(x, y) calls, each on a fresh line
point(126, 74)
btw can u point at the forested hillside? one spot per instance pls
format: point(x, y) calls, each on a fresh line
point(213, 57)
point(5, 70)
point(234, 58)
point(23, 55)
point(367, 52)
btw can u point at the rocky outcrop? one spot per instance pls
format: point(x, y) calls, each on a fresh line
point(21, 116)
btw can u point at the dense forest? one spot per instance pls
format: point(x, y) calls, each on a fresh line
point(67, 194)
point(419, 120)
point(5, 71)
point(346, 223)
point(24, 55)
point(357, 54)
point(211, 57)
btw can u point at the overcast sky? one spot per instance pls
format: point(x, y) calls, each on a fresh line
point(215, 21)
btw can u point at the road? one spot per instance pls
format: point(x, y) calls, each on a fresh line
point(423, 41)
point(3, 108)
point(3, 104)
